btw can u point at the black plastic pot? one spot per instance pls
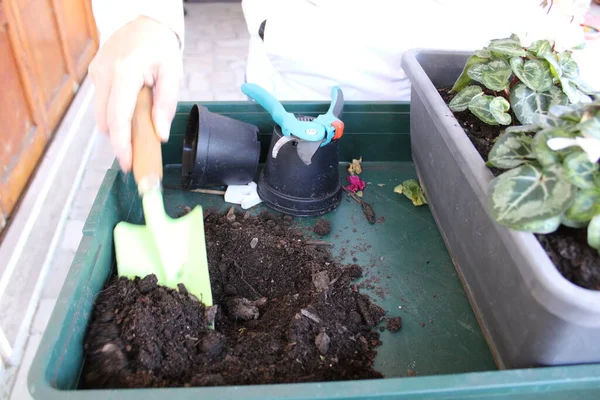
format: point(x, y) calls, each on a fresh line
point(218, 150)
point(289, 186)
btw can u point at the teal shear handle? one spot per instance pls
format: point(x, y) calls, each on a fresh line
point(334, 127)
point(322, 128)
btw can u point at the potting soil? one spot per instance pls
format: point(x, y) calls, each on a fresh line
point(566, 247)
point(286, 312)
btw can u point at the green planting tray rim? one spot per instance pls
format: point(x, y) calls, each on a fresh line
point(561, 381)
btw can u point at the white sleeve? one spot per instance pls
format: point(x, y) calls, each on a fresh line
point(110, 15)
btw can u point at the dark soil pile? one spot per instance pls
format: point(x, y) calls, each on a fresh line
point(286, 312)
point(567, 248)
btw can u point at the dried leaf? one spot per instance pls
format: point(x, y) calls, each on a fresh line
point(411, 189)
point(355, 167)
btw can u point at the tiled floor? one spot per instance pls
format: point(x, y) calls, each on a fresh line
point(216, 44)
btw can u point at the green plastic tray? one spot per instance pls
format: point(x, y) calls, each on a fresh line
point(440, 341)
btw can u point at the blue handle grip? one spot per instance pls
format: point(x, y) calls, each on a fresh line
point(267, 101)
point(337, 102)
point(287, 121)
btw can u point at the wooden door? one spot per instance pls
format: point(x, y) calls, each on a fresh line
point(45, 49)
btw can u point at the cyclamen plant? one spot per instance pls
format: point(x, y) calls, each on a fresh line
point(527, 79)
point(552, 176)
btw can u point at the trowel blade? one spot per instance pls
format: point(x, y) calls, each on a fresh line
point(306, 149)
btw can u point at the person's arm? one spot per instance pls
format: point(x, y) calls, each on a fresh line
point(141, 44)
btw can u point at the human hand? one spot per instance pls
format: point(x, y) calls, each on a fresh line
point(142, 52)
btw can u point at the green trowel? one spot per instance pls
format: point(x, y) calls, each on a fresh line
point(172, 249)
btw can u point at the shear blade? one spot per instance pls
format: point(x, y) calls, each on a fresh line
point(279, 144)
point(306, 149)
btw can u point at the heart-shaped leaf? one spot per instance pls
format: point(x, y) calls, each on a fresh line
point(593, 232)
point(543, 227)
point(499, 107)
point(590, 127)
point(464, 79)
point(573, 93)
point(510, 151)
point(509, 47)
point(552, 60)
point(460, 102)
point(585, 206)
point(526, 102)
point(572, 224)
point(579, 170)
point(533, 73)
point(544, 154)
point(495, 75)
point(529, 194)
point(569, 67)
point(523, 128)
point(483, 53)
point(481, 107)
point(540, 48)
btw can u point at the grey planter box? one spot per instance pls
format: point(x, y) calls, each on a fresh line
point(531, 315)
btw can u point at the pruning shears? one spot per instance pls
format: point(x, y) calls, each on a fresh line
point(309, 134)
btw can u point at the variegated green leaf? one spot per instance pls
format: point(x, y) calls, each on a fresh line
point(558, 97)
point(543, 227)
point(572, 224)
point(544, 154)
point(460, 102)
point(593, 232)
point(464, 79)
point(552, 60)
point(483, 53)
point(579, 170)
point(590, 127)
point(499, 107)
point(481, 107)
point(495, 75)
point(573, 93)
point(528, 194)
point(509, 47)
point(597, 179)
point(540, 47)
point(510, 151)
point(583, 86)
point(569, 67)
point(533, 73)
point(526, 102)
point(585, 206)
point(523, 128)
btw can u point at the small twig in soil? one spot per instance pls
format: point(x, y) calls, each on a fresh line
point(209, 191)
point(367, 208)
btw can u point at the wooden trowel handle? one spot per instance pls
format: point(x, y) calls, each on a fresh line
point(146, 144)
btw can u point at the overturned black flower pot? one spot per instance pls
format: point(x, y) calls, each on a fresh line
point(218, 150)
point(288, 185)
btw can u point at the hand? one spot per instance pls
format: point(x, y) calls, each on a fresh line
point(142, 52)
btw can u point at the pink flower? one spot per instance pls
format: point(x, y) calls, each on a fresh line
point(356, 183)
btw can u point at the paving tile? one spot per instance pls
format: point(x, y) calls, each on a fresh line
point(71, 235)
point(200, 81)
point(59, 268)
point(20, 391)
point(42, 315)
point(230, 96)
